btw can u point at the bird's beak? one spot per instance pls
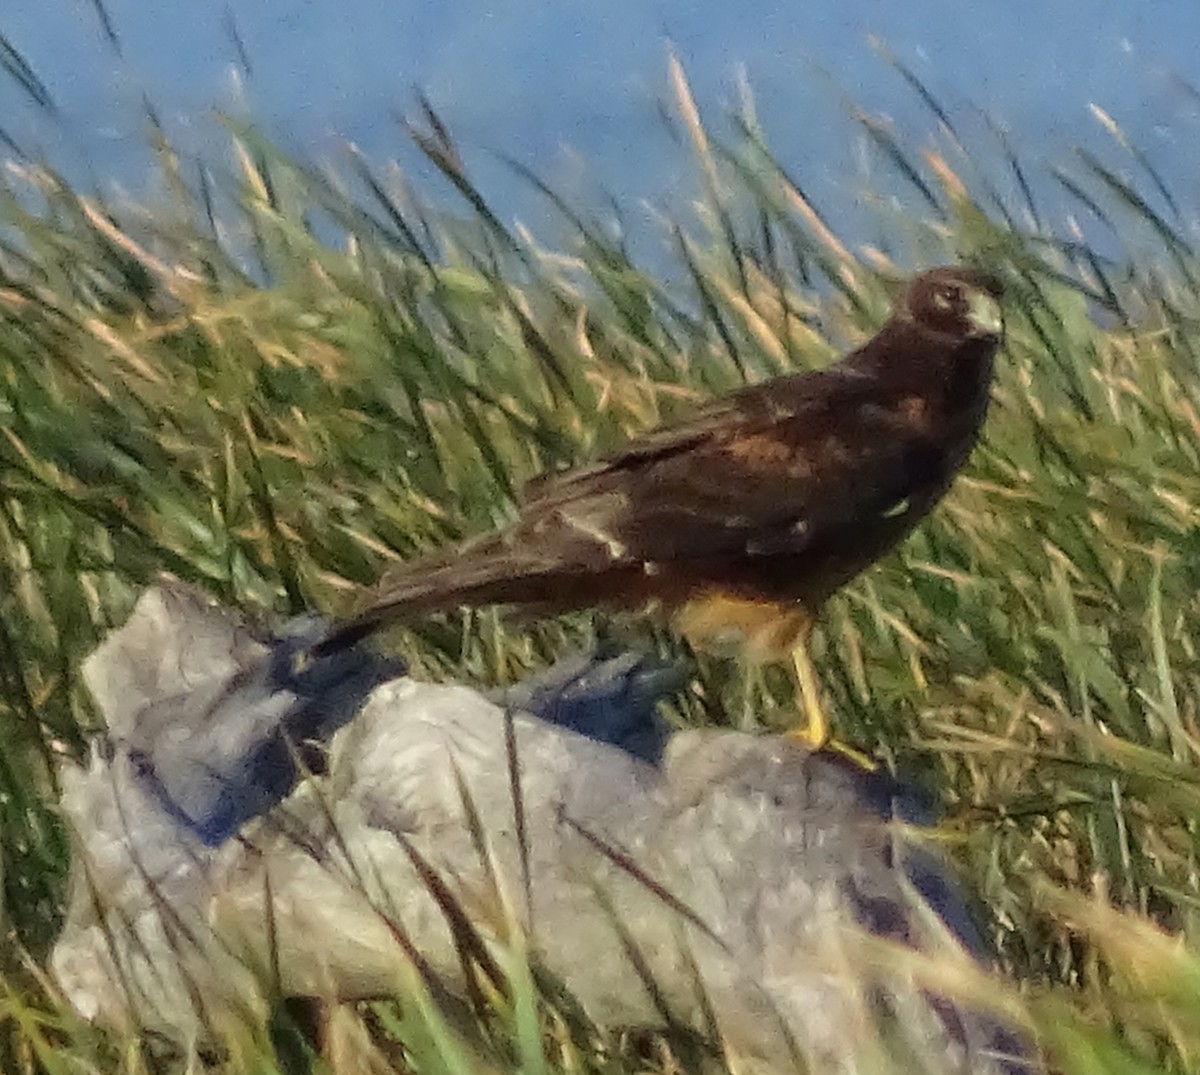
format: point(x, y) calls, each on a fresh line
point(985, 315)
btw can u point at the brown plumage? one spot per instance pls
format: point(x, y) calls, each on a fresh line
point(746, 517)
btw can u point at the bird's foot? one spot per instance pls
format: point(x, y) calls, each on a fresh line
point(823, 741)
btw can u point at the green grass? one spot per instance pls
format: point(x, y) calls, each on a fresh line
point(199, 386)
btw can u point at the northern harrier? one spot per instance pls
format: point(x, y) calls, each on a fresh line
point(742, 520)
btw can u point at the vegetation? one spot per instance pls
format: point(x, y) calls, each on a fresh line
point(276, 383)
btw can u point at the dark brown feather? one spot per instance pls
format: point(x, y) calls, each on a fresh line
point(780, 492)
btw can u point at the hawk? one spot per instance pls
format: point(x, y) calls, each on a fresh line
point(740, 521)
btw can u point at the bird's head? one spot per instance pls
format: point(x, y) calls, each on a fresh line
point(955, 301)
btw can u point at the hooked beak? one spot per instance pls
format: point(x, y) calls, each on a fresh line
point(985, 315)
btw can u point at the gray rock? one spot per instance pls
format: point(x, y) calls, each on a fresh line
point(739, 876)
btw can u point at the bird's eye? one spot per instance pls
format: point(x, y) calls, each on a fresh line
point(943, 298)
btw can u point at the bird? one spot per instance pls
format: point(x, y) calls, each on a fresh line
point(706, 880)
point(740, 521)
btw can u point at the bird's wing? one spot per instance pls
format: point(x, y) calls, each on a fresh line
point(820, 459)
point(766, 471)
point(558, 486)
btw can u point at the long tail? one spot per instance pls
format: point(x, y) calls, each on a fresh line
point(488, 571)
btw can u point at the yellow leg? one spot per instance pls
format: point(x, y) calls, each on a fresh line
point(815, 732)
point(768, 631)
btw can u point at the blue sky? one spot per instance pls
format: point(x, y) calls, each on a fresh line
point(544, 78)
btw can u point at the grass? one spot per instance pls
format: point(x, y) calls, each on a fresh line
point(208, 387)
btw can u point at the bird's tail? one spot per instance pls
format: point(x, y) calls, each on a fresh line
point(487, 571)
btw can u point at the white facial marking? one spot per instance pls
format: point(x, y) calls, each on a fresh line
point(985, 315)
